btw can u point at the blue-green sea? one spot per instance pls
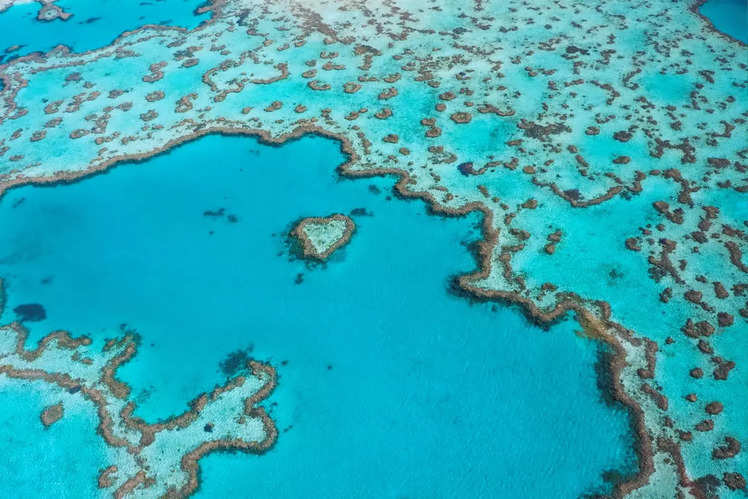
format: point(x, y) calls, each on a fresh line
point(389, 385)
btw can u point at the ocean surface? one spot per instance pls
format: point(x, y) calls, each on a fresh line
point(389, 384)
point(383, 372)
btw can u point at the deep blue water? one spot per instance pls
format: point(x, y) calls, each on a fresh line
point(728, 16)
point(389, 385)
point(93, 24)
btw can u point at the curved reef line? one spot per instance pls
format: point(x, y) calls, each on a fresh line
point(124, 350)
point(213, 6)
point(217, 6)
point(695, 6)
point(595, 327)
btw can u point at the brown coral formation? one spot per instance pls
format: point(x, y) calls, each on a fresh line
point(52, 414)
point(461, 117)
point(155, 96)
point(309, 249)
point(730, 449)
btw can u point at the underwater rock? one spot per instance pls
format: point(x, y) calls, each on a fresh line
point(466, 168)
point(714, 407)
point(31, 312)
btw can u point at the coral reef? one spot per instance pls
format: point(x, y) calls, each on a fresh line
point(149, 459)
point(320, 237)
point(604, 143)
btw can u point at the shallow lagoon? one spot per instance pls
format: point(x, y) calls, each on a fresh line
point(383, 373)
point(35, 456)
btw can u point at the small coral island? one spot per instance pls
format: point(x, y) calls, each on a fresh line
point(320, 237)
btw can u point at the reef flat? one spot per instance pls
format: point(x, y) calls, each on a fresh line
point(604, 144)
point(151, 459)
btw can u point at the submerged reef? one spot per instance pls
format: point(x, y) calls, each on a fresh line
point(30, 312)
point(146, 459)
point(321, 237)
point(604, 143)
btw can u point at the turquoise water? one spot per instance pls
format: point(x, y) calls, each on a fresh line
point(388, 384)
point(34, 455)
point(728, 16)
point(93, 24)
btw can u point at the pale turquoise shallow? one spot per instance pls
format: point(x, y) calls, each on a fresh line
point(392, 386)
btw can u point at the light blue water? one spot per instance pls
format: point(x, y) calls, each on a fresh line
point(389, 385)
point(36, 458)
point(93, 24)
point(728, 16)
